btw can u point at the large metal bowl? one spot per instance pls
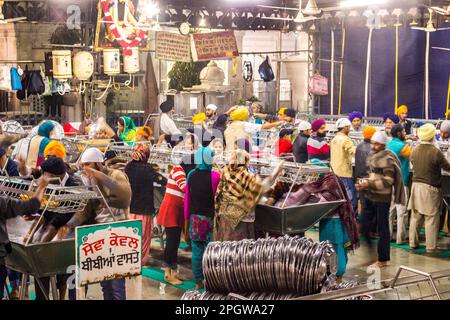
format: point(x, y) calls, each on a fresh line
point(292, 220)
point(39, 259)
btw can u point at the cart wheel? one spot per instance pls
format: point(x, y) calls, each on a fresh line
point(158, 232)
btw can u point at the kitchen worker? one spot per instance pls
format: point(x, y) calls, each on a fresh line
point(284, 114)
point(342, 152)
point(426, 191)
point(283, 146)
point(300, 144)
point(144, 134)
point(403, 151)
point(11, 208)
point(356, 119)
point(211, 116)
point(402, 113)
point(54, 168)
point(361, 167)
point(167, 128)
point(240, 128)
point(445, 131)
point(444, 136)
point(389, 120)
point(384, 185)
point(317, 145)
point(116, 189)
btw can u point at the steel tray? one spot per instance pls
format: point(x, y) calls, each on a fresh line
point(292, 220)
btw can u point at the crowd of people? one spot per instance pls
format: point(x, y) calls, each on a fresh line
point(205, 202)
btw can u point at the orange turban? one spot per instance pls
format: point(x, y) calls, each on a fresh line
point(145, 132)
point(369, 132)
point(55, 148)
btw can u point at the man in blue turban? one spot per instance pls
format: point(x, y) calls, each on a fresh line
point(356, 119)
point(390, 119)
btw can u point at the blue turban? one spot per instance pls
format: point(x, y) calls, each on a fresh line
point(355, 114)
point(393, 117)
point(204, 158)
point(44, 131)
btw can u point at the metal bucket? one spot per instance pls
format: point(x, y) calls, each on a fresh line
point(292, 220)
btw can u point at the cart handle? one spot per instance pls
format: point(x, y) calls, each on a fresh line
point(425, 274)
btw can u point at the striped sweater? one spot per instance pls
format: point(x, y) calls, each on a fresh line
point(318, 148)
point(176, 184)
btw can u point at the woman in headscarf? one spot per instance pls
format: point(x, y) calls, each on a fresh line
point(171, 217)
point(238, 194)
point(126, 130)
point(142, 176)
point(38, 143)
point(201, 188)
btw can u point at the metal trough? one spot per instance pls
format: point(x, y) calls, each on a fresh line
point(292, 220)
point(40, 259)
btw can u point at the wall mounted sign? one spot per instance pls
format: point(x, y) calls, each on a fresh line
point(214, 45)
point(173, 47)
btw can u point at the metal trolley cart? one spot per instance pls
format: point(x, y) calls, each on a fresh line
point(76, 145)
point(296, 219)
point(46, 259)
point(421, 286)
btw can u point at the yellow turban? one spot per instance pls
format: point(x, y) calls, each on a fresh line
point(240, 114)
point(426, 132)
point(199, 118)
point(281, 111)
point(402, 109)
point(55, 148)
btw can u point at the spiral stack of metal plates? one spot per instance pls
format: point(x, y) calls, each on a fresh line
point(195, 295)
point(285, 265)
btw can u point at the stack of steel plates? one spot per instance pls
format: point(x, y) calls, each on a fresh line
point(195, 295)
point(290, 265)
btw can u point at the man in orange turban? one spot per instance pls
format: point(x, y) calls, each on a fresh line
point(55, 149)
point(144, 134)
point(361, 168)
point(402, 113)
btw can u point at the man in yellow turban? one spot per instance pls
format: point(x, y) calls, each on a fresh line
point(240, 128)
point(402, 113)
point(55, 149)
point(426, 192)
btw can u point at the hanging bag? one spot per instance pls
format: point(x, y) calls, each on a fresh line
point(318, 85)
point(16, 82)
point(265, 71)
point(47, 84)
point(23, 94)
point(35, 84)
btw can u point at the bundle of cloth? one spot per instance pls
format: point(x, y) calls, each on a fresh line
point(328, 188)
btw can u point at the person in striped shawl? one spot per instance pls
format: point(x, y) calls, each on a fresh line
point(239, 192)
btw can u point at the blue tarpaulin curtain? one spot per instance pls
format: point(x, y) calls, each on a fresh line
point(382, 73)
